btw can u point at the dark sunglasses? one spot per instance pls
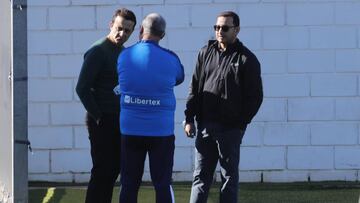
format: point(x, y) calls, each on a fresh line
point(224, 28)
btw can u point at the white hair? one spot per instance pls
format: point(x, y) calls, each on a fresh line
point(154, 24)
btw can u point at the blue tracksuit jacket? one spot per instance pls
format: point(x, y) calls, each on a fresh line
point(147, 76)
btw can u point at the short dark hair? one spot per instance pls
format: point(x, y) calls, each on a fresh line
point(235, 17)
point(126, 14)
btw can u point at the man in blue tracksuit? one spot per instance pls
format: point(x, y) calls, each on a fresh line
point(147, 76)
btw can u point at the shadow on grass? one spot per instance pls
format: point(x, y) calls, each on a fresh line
point(321, 192)
point(36, 195)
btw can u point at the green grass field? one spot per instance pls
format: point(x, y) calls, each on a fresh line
point(324, 192)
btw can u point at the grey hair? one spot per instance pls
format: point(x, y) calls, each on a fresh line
point(154, 24)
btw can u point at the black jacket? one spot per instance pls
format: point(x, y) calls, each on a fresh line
point(226, 86)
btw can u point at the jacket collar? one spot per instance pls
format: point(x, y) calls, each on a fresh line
point(236, 46)
point(149, 41)
point(113, 45)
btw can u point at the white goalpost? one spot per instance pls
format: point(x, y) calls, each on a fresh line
point(13, 102)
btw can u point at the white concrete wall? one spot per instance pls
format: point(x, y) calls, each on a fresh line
point(307, 127)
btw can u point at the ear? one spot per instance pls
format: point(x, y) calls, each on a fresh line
point(162, 36)
point(111, 24)
point(237, 30)
point(141, 33)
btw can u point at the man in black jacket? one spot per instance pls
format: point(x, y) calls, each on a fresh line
point(225, 94)
point(96, 85)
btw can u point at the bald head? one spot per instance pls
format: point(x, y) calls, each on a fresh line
point(154, 24)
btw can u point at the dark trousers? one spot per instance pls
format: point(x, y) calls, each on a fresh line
point(133, 154)
point(105, 141)
point(223, 145)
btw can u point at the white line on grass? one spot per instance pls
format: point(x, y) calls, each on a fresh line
point(49, 194)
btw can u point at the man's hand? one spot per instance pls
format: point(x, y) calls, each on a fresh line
point(190, 129)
